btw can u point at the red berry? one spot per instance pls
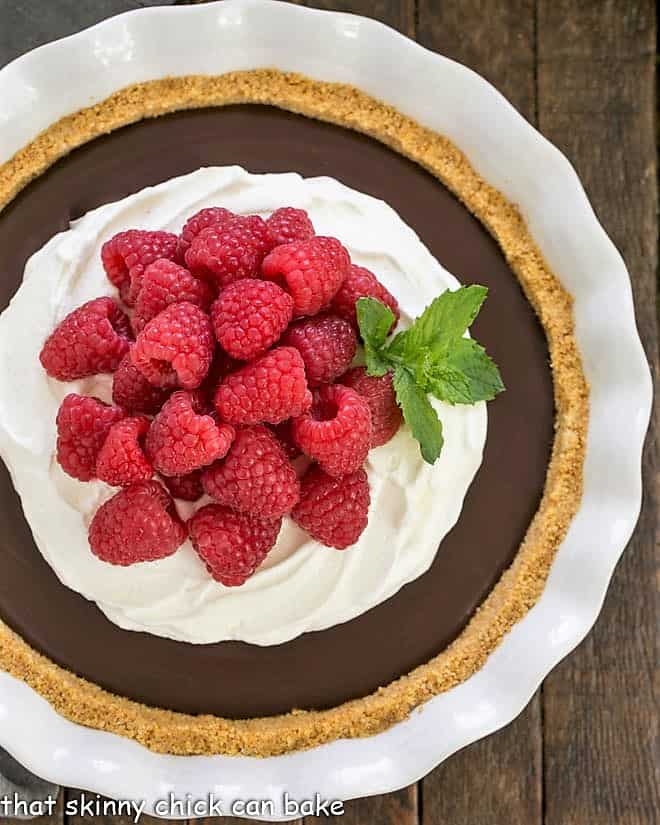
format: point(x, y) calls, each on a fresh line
point(249, 316)
point(83, 423)
point(327, 344)
point(312, 271)
point(222, 365)
point(230, 251)
point(361, 283)
point(256, 477)
point(132, 391)
point(182, 438)
point(379, 394)
point(337, 430)
point(91, 339)
point(176, 347)
point(270, 389)
point(128, 254)
point(165, 283)
point(211, 216)
point(232, 545)
point(121, 460)
point(288, 224)
point(187, 487)
point(285, 437)
point(333, 511)
point(138, 524)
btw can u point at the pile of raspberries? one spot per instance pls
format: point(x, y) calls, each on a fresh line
point(230, 350)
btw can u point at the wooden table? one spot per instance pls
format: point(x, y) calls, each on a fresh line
point(585, 751)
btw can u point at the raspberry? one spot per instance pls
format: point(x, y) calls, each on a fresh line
point(312, 271)
point(202, 404)
point(288, 224)
point(165, 283)
point(249, 316)
point(333, 511)
point(270, 389)
point(128, 254)
point(232, 545)
point(176, 347)
point(91, 339)
point(211, 216)
point(327, 344)
point(228, 252)
point(256, 477)
point(187, 487)
point(361, 283)
point(132, 391)
point(222, 365)
point(285, 437)
point(379, 394)
point(337, 430)
point(121, 460)
point(139, 523)
point(83, 423)
point(182, 439)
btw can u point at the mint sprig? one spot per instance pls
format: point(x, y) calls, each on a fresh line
point(432, 357)
point(420, 416)
point(375, 321)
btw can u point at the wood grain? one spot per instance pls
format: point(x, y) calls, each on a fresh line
point(495, 39)
point(400, 14)
point(229, 820)
point(596, 102)
point(399, 808)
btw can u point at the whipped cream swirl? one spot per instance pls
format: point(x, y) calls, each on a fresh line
point(302, 586)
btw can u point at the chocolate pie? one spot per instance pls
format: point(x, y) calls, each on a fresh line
point(165, 681)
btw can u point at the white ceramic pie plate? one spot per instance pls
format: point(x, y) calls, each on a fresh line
point(151, 43)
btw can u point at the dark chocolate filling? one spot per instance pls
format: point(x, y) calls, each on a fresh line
point(322, 669)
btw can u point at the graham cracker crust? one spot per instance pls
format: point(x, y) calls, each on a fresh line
point(519, 587)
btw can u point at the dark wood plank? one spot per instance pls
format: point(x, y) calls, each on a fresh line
point(236, 820)
point(400, 14)
point(398, 808)
point(499, 778)
point(496, 780)
point(494, 39)
point(596, 102)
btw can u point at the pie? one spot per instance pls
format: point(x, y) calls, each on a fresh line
point(373, 665)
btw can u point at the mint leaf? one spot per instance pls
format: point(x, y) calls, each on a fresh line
point(444, 321)
point(432, 357)
point(419, 414)
point(449, 384)
point(376, 365)
point(375, 321)
point(397, 346)
point(479, 371)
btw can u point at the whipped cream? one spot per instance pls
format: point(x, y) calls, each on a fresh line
point(302, 586)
